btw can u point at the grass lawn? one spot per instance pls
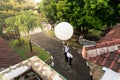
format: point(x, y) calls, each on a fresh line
point(22, 50)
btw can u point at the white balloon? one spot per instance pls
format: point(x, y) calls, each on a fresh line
point(64, 31)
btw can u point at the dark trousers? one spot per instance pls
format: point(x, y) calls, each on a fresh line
point(66, 58)
point(69, 61)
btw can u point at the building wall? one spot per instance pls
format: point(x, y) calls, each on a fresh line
point(1, 69)
point(96, 71)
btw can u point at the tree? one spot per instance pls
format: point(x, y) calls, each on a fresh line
point(14, 24)
point(48, 10)
point(105, 13)
point(29, 21)
point(71, 11)
point(25, 21)
point(10, 8)
point(82, 14)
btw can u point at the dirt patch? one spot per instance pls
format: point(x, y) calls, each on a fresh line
point(30, 54)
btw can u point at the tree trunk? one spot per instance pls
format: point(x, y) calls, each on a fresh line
point(84, 31)
point(19, 37)
point(30, 46)
point(17, 34)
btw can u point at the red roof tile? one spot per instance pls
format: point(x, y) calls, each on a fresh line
point(107, 62)
point(112, 64)
point(112, 35)
point(100, 60)
point(115, 67)
point(8, 57)
point(112, 55)
point(106, 55)
point(111, 59)
point(116, 57)
point(91, 47)
point(99, 45)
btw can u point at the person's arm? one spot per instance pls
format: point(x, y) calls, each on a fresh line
point(71, 55)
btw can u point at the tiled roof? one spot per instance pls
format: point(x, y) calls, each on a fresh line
point(111, 59)
point(8, 57)
point(112, 36)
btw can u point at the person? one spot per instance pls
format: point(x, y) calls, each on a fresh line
point(66, 48)
point(69, 57)
point(81, 39)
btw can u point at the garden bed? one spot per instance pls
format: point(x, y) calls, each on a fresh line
point(24, 50)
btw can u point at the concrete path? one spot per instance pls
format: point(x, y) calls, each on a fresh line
point(79, 69)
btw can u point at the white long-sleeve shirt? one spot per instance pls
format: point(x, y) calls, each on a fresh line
point(66, 48)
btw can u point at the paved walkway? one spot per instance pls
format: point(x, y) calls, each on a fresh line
point(79, 69)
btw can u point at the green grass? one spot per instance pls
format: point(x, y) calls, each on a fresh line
point(22, 50)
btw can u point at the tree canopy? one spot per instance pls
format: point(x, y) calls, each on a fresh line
point(10, 8)
point(49, 12)
point(82, 14)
